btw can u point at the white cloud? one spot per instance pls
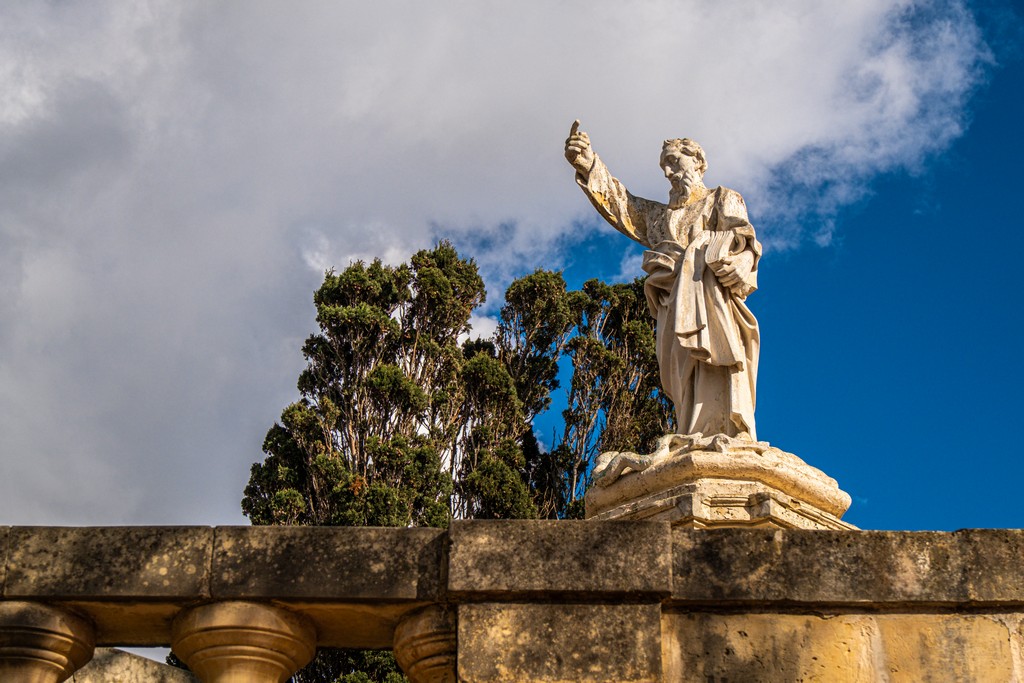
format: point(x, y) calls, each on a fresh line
point(629, 266)
point(174, 178)
point(482, 327)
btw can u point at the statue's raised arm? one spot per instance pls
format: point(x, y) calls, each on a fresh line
point(627, 213)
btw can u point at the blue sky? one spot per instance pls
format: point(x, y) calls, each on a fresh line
point(175, 177)
point(892, 357)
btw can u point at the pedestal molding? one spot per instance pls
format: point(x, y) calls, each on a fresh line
point(738, 486)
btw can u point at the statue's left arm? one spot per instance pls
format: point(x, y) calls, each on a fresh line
point(736, 270)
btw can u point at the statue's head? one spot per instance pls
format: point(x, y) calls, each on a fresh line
point(683, 162)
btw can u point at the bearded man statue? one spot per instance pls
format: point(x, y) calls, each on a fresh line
point(701, 264)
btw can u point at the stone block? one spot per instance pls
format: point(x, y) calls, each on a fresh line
point(937, 647)
point(520, 643)
point(328, 563)
point(726, 564)
point(861, 648)
point(560, 557)
point(872, 567)
point(109, 563)
point(993, 566)
point(822, 567)
point(729, 648)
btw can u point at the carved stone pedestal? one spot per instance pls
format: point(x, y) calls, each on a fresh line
point(243, 642)
point(42, 644)
point(702, 482)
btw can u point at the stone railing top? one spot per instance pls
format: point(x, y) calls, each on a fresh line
point(915, 570)
point(131, 581)
point(574, 559)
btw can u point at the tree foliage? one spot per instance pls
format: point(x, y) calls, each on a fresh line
point(615, 401)
point(403, 421)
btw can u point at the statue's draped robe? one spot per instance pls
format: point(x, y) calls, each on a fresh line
point(707, 338)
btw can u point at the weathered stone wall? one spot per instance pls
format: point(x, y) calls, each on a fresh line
point(561, 601)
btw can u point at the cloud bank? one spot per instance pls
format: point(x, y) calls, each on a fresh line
point(174, 178)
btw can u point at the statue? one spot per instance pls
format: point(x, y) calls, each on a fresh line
point(701, 264)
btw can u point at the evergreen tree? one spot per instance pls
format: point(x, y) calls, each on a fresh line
point(615, 400)
point(400, 424)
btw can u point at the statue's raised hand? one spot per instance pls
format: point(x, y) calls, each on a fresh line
point(578, 151)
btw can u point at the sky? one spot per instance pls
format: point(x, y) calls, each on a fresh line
point(175, 177)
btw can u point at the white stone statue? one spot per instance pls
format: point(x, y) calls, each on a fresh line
point(701, 262)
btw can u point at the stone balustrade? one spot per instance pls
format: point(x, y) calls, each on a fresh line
point(521, 601)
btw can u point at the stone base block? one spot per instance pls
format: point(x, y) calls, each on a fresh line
point(558, 643)
point(710, 503)
point(739, 484)
point(840, 648)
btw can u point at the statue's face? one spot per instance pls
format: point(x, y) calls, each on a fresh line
point(682, 171)
point(678, 167)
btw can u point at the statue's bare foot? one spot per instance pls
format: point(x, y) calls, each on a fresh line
point(612, 464)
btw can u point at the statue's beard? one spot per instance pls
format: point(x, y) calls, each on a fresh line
point(683, 185)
